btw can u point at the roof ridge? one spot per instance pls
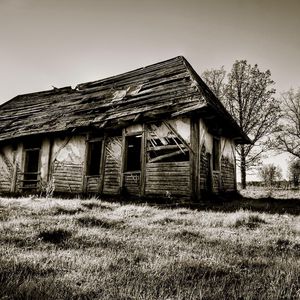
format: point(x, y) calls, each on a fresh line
point(95, 82)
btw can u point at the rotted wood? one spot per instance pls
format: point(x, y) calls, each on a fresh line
point(143, 161)
point(164, 156)
point(170, 127)
point(102, 164)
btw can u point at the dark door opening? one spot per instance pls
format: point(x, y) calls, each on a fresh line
point(94, 158)
point(133, 153)
point(31, 168)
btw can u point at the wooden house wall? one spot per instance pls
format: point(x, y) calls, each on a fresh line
point(10, 167)
point(227, 165)
point(168, 178)
point(223, 179)
point(67, 161)
point(62, 163)
point(112, 166)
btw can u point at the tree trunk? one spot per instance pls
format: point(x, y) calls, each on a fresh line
point(243, 167)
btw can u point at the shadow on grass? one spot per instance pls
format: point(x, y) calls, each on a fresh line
point(233, 202)
point(96, 222)
point(55, 236)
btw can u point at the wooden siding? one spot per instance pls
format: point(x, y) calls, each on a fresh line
point(167, 179)
point(67, 177)
point(112, 168)
point(227, 175)
point(216, 181)
point(132, 182)
point(204, 170)
point(5, 183)
point(92, 184)
point(6, 172)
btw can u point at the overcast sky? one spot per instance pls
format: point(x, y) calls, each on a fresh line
point(66, 42)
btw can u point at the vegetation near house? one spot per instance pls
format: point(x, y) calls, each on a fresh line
point(269, 174)
point(91, 249)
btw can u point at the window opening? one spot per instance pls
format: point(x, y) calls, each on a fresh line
point(166, 147)
point(31, 167)
point(94, 158)
point(133, 153)
point(216, 154)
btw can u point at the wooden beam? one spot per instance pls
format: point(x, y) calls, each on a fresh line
point(189, 109)
point(165, 147)
point(170, 127)
point(14, 178)
point(159, 158)
point(102, 164)
point(123, 157)
point(194, 160)
point(84, 169)
point(143, 161)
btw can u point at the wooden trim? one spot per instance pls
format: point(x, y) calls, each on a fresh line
point(195, 160)
point(102, 164)
point(14, 177)
point(49, 173)
point(233, 149)
point(131, 172)
point(123, 157)
point(84, 169)
point(96, 139)
point(143, 161)
point(31, 173)
point(137, 133)
point(31, 149)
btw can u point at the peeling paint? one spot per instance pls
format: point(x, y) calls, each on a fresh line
point(114, 149)
point(69, 150)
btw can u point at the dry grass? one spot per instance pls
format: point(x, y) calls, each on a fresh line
point(262, 192)
point(90, 249)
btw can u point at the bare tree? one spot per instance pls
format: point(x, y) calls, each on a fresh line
point(215, 79)
point(249, 97)
point(270, 174)
point(287, 136)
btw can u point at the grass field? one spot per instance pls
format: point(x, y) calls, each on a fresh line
point(91, 249)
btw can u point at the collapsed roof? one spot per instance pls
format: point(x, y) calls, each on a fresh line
point(165, 89)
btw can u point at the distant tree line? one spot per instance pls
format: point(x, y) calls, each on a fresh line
point(271, 123)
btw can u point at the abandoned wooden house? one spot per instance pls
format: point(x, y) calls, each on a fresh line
point(154, 131)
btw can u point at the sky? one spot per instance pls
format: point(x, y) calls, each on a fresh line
point(45, 43)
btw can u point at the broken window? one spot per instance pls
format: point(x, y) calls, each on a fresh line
point(94, 158)
point(165, 145)
point(216, 154)
point(133, 153)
